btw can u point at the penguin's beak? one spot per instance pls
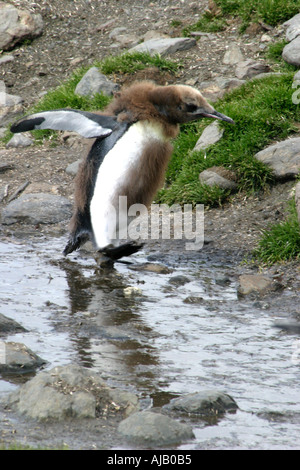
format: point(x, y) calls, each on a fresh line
point(216, 115)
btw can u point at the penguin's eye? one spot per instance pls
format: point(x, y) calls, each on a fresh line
point(191, 108)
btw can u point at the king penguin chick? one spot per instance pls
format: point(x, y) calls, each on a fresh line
point(128, 156)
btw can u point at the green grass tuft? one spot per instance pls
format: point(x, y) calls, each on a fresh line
point(131, 62)
point(271, 12)
point(281, 242)
point(263, 112)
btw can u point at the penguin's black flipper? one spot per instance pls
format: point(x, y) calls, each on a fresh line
point(117, 252)
point(89, 125)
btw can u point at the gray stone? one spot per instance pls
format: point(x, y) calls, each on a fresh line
point(7, 325)
point(254, 283)
point(36, 209)
point(291, 52)
point(292, 21)
point(297, 199)
point(204, 403)
point(19, 140)
point(292, 32)
point(233, 55)
point(283, 158)
point(17, 25)
point(72, 169)
point(249, 68)
point(6, 58)
point(18, 359)
point(116, 32)
point(151, 267)
point(7, 100)
point(153, 429)
point(211, 135)
point(95, 82)
point(69, 391)
point(164, 46)
point(218, 176)
point(179, 280)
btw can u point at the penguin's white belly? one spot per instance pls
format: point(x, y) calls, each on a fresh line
point(112, 175)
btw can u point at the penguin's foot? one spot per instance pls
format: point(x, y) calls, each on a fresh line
point(114, 253)
point(103, 262)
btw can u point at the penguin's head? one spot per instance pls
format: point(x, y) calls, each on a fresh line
point(181, 103)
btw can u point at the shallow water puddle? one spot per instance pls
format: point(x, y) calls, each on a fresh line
point(169, 340)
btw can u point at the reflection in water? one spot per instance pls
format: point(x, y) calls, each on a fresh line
point(115, 337)
point(171, 339)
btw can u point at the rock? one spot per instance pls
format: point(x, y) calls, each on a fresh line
point(95, 82)
point(38, 208)
point(10, 105)
point(6, 58)
point(17, 25)
point(292, 21)
point(16, 358)
point(233, 55)
point(211, 135)
point(249, 68)
point(6, 166)
point(192, 300)
point(218, 176)
point(7, 325)
point(116, 32)
point(19, 140)
point(151, 267)
point(297, 199)
point(132, 291)
point(179, 280)
point(266, 38)
point(164, 46)
point(3, 131)
point(123, 39)
point(204, 403)
point(292, 32)
point(7, 100)
point(154, 430)
point(69, 391)
point(72, 169)
point(291, 52)
point(257, 283)
point(283, 158)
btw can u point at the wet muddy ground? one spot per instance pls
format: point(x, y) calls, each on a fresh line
point(179, 331)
